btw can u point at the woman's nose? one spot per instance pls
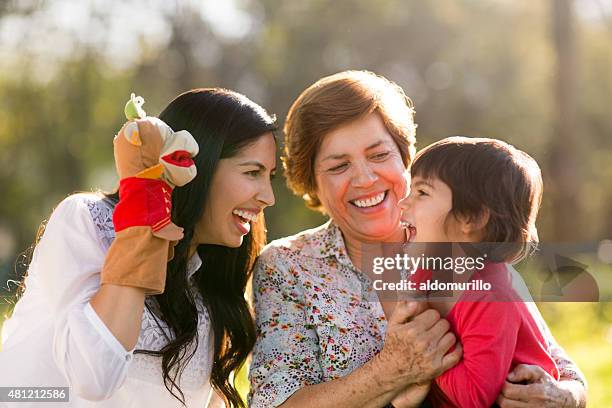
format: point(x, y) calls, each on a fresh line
point(266, 194)
point(364, 176)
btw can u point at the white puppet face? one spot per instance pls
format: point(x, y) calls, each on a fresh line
point(176, 154)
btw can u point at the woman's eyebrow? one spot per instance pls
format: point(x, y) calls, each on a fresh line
point(253, 163)
point(374, 145)
point(335, 157)
point(343, 155)
point(257, 164)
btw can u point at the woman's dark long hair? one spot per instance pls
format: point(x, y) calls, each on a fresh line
point(222, 122)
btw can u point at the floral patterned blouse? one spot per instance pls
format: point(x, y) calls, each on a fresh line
point(318, 317)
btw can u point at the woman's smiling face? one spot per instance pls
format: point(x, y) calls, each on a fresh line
point(360, 177)
point(239, 192)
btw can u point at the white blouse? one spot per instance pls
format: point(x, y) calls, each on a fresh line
point(55, 338)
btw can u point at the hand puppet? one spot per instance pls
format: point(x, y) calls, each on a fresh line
point(151, 160)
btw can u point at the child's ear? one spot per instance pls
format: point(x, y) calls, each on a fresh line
point(474, 225)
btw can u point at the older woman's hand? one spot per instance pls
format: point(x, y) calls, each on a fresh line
point(541, 390)
point(412, 396)
point(415, 350)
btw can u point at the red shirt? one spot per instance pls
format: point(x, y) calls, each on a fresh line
point(497, 332)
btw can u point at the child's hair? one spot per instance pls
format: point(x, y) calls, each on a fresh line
point(489, 175)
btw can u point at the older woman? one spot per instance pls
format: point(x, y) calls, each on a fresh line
point(324, 337)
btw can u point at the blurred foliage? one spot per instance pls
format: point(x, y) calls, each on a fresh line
point(585, 332)
point(472, 67)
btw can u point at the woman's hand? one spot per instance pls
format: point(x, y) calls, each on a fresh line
point(415, 350)
point(411, 397)
point(541, 390)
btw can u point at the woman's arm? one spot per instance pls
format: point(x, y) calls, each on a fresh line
point(568, 369)
point(67, 263)
point(136, 262)
point(286, 367)
point(364, 387)
point(285, 372)
point(542, 391)
point(414, 352)
point(571, 389)
point(120, 308)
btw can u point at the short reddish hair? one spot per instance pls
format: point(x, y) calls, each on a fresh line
point(334, 101)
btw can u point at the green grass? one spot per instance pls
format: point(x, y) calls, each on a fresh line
point(585, 331)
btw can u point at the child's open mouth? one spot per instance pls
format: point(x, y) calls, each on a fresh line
point(410, 228)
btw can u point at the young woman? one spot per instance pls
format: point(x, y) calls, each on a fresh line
point(113, 344)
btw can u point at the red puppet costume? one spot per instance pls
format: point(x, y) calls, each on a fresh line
point(151, 160)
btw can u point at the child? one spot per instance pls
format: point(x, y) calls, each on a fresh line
point(476, 190)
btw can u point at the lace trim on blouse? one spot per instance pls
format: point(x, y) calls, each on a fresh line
point(155, 333)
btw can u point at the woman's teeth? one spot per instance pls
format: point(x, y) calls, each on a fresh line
point(248, 216)
point(370, 202)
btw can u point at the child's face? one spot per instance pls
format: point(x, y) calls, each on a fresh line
point(426, 211)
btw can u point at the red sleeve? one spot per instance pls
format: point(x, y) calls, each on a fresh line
point(488, 333)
